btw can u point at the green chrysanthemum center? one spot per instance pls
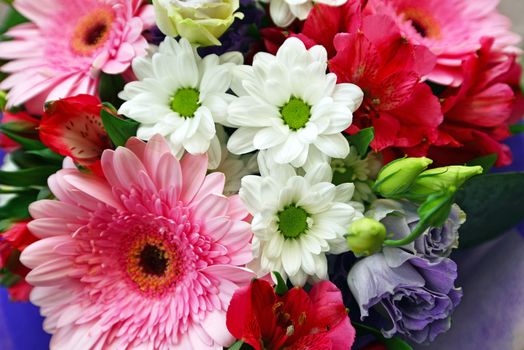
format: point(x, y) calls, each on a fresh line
point(292, 221)
point(185, 102)
point(295, 113)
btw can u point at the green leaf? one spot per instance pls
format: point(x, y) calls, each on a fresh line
point(390, 343)
point(396, 344)
point(516, 129)
point(237, 345)
point(110, 86)
point(16, 208)
point(486, 162)
point(118, 129)
point(25, 142)
point(48, 155)
point(362, 139)
point(10, 20)
point(493, 203)
point(281, 287)
point(27, 177)
point(8, 279)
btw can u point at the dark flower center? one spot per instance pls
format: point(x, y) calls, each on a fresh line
point(423, 22)
point(96, 33)
point(419, 28)
point(92, 31)
point(153, 260)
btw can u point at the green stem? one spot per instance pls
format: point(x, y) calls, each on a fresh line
point(416, 233)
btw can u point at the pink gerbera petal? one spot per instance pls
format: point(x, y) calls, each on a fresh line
point(68, 43)
point(148, 256)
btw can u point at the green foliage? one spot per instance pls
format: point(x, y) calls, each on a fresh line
point(362, 140)
point(494, 204)
point(486, 162)
point(281, 287)
point(118, 129)
point(394, 343)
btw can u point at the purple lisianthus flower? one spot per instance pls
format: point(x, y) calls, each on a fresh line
point(418, 296)
point(401, 217)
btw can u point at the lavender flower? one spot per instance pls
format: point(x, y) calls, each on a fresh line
point(400, 218)
point(417, 295)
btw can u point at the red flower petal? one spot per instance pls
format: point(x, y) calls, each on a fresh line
point(72, 127)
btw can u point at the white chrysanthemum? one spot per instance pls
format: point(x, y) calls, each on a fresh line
point(284, 12)
point(289, 107)
point(297, 220)
point(181, 96)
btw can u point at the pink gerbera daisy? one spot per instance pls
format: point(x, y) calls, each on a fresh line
point(146, 258)
point(67, 44)
point(451, 29)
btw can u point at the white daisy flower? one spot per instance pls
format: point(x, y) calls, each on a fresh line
point(297, 220)
point(181, 96)
point(284, 12)
point(290, 107)
point(233, 166)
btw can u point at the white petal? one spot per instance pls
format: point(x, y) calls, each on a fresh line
point(291, 257)
point(335, 145)
point(241, 141)
point(268, 137)
point(348, 94)
point(280, 13)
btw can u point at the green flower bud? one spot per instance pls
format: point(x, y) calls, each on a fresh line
point(397, 177)
point(3, 100)
point(201, 22)
point(365, 237)
point(440, 179)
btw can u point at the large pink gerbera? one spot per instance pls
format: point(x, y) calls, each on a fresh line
point(451, 29)
point(147, 258)
point(67, 44)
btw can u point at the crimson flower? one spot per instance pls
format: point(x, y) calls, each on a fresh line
point(477, 114)
point(296, 320)
point(12, 242)
point(73, 128)
point(402, 109)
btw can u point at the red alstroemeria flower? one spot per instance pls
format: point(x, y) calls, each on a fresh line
point(73, 128)
point(478, 113)
point(24, 122)
point(401, 108)
point(12, 242)
point(296, 320)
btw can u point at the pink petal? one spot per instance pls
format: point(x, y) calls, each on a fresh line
point(220, 334)
point(194, 170)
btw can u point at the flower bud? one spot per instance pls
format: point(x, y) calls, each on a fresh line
point(201, 22)
point(397, 177)
point(439, 179)
point(3, 100)
point(365, 237)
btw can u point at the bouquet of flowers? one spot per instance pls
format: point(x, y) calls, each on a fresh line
point(282, 174)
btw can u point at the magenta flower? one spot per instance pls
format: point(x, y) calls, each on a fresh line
point(147, 257)
point(67, 44)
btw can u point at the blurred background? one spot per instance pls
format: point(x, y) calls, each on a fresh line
point(491, 315)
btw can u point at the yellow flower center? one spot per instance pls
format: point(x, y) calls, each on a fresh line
point(153, 265)
point(92, 31)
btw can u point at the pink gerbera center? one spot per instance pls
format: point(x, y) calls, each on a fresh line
point(423, 23)
point(92, 31)
point(153, 264)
